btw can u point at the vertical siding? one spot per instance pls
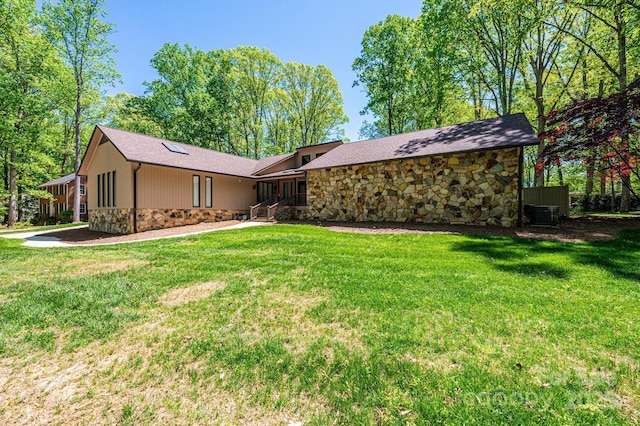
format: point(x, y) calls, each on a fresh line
point(167, 188)
point(107, 159)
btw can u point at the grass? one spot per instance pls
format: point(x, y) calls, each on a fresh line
point(4, 229)
point(299, 324)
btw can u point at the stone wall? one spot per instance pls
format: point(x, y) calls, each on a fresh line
point(479, 188)
point(149, 219)
point(113, 221)
point(120, 221)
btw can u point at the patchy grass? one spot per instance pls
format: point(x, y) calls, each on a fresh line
point(4, 229)
point(287, 324)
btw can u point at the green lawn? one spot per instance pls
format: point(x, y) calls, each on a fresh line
point(4, 229)
point(289, 323)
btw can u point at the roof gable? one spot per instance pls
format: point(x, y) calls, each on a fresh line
point(64, 179)
point(139, 148)
point(502, 132)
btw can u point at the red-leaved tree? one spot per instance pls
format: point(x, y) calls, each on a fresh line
point(604, 128)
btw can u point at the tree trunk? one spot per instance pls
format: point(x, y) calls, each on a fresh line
point(591, 169)
point(560, 176)
point(613, 195)
point(76, 192)
point(13, 202)
point(621, 26)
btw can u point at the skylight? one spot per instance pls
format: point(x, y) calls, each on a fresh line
point(174, 148)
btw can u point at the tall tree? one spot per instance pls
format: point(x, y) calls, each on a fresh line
point(614, 20)
point(541, 53)
point(383, 70)
point(313, 102)
point(77, 30)
point(26, 84)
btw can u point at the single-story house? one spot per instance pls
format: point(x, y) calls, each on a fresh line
point(469, 173)
point(63, 191)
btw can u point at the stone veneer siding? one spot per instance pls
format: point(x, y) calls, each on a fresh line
point(149, 219)
point(120, 221)
point(477, 188)
point(113, 221)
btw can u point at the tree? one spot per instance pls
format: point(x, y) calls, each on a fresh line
point(383, 70)
point(26, 85)
point(607, 126)
point(616, 20)
point(542, 50)
point(313, 102)
point(75, 28)
point(243, 101)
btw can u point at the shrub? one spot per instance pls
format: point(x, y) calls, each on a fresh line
point(51, 221)
point(602, 203)
point(67, 216)
point(33, 221)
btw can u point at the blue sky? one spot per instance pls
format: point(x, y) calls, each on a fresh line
point(325, 32)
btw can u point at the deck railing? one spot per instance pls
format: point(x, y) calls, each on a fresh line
point(259, 208)
point(274, 209)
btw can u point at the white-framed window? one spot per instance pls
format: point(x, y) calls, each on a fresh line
point(83, 208)
point(83, 190)
point(208, 192)
point(196, 191)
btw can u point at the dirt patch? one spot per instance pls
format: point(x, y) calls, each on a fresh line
point(80, 267)
point(120, 381)
point(84, 236)
point(193, 293)
point(571, 229)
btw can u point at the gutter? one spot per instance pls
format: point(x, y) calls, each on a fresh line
point(135, 198)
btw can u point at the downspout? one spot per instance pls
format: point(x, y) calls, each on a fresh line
point(520, 184)
point(135, 198)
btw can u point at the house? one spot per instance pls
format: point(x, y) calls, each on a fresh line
point(469, 173)
point(140, 183)
point(63, 191)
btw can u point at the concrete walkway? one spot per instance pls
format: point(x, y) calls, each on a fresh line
point(39, 239)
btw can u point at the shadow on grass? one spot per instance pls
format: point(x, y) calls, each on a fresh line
point(619, 257)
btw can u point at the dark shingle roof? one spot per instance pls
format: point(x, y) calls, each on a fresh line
point(147, 149)
point(267, 162)
point(502, 132)
point(63, 179)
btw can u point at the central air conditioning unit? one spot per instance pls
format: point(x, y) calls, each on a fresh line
point(543, 215)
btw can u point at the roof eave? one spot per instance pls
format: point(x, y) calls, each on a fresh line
point(466, 151)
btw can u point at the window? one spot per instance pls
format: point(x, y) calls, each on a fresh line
point(208, 195)
point(306, 159)
point(99, 192)
point(196, 191)
point(320, 154)
point(83, 208)
point(108, 189)
point(113, 188)
point(174, 148)
point(83, 190)
point(104, 184)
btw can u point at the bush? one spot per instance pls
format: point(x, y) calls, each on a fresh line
point(67, 216)
point(602, 203)
point(21, 225)
point(51, 221)
point(33, 221)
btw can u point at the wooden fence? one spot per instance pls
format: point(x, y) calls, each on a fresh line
point(548, 196)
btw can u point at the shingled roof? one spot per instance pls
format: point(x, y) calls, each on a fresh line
point(63, 179)
point(139, 148)
point(502, 132)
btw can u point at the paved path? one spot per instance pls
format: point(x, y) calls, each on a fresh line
point(39, 238)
